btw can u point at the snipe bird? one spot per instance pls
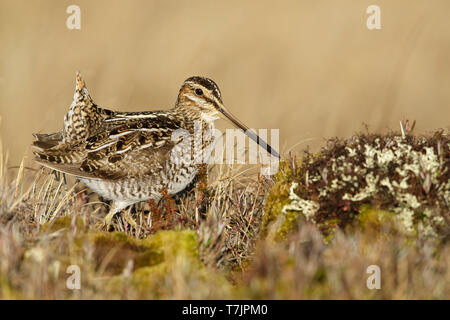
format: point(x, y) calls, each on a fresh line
point(128, 157)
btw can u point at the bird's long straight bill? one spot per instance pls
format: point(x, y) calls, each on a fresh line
point(249, 133)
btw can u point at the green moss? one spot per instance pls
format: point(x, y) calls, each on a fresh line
point(111, 240)
point(285, 224)
point(158, 260)
point(62, 223)
point(6, 292)
point(162, 247)
point(275, 222)
point(149, 278)
point(147, 267)
point(277, 225)
point(373, 218)
point(175, 243)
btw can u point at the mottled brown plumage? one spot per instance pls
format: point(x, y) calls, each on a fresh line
point(129, 157)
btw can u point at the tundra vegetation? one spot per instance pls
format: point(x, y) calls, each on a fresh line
point(309, 232)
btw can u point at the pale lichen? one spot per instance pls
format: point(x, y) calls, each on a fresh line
point(307, 207)
point(402, 174)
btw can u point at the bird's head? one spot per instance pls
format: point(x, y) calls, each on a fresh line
point(202, 96)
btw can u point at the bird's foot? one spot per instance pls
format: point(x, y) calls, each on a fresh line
point(107, 220)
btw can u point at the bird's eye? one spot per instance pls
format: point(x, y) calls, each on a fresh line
point(199, 92)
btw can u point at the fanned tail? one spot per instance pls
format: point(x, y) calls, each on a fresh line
point(47, 141)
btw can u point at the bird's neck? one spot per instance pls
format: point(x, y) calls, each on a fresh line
point(201, 128)
point(192, 116)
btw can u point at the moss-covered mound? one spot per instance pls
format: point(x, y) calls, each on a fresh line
point(165, 264)
point(406, 175)
point(149, 266)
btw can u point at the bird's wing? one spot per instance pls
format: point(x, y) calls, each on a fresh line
point(135, 148)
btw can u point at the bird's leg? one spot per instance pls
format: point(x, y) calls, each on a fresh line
point(155, 214)
point(169, 203)
point(164, 212)
point(115, 208)
point(108, 218)
point(202, 177)
point(202, 184)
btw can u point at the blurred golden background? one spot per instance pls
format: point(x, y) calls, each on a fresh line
point(310, 68)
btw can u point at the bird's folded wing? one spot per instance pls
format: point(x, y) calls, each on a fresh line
point(132, 149)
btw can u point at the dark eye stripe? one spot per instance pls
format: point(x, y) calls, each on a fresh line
point(212, 101)
point(206, 83)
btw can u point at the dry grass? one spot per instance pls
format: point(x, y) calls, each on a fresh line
point(305, 268)
point(46, 225)
point(42, 219)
